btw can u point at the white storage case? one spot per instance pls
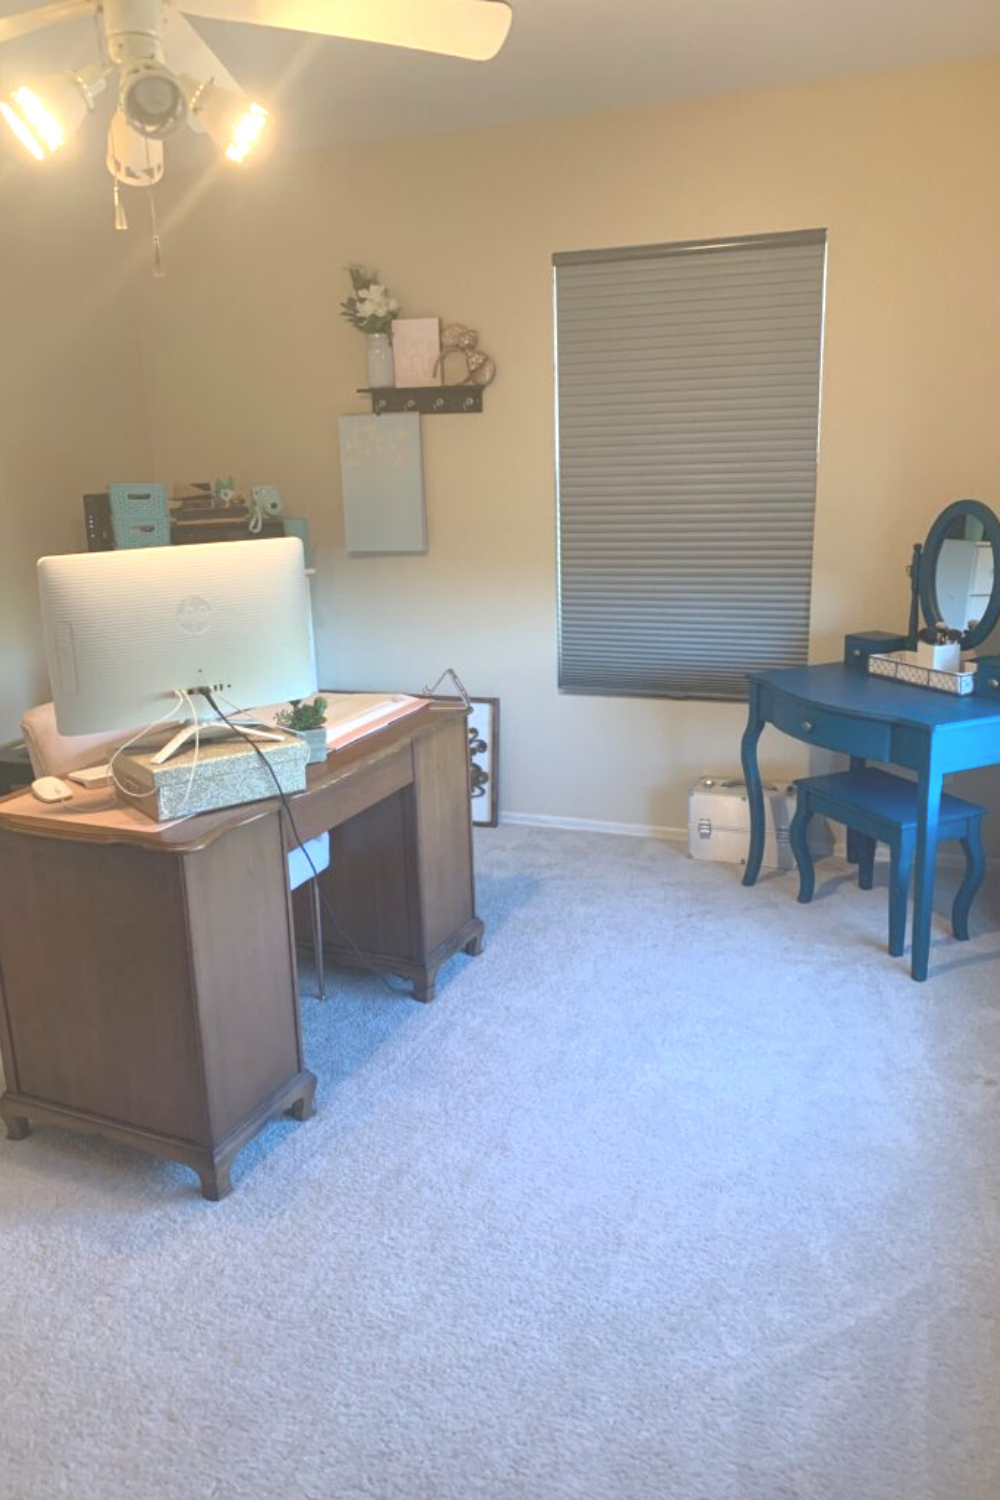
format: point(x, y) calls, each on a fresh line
point(719, 823)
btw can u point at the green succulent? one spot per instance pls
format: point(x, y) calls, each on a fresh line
point(301, 716)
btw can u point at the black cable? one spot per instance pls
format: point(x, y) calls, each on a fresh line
point(393, 989)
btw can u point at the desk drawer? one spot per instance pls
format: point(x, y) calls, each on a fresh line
point(326, 804)
point(827, 728)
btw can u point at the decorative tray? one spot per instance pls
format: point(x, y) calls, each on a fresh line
point(906, 666)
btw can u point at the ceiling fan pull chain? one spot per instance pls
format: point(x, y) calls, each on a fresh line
point(158, 270)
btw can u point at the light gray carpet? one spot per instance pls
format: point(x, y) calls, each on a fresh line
point(679, 1192)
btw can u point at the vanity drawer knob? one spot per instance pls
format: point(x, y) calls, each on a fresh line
point(808, 725)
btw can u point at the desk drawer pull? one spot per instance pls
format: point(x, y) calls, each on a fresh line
point(808, 725)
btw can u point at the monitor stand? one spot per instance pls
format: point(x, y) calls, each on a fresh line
point(213, 729)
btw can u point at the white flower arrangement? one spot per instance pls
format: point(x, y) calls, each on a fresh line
point(370, 308)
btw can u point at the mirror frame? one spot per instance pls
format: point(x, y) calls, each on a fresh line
point(929, 561)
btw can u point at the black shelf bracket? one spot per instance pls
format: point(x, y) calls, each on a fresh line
point(428, 400)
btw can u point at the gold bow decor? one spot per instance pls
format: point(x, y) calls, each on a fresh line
point(457, 339)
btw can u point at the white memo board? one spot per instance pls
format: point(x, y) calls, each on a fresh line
point(383, 484)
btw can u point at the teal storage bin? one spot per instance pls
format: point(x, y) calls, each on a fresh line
point(299, 526)
point(139, 515)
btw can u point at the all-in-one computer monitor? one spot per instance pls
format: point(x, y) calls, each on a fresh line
point(125, 631)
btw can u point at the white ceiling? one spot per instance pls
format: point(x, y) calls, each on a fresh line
point(564, 57)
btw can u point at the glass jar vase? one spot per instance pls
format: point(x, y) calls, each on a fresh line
point(379, 355)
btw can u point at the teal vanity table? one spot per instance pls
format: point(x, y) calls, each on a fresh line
point(839, 706)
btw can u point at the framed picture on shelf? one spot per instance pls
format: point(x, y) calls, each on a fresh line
point(416, 349)
point(484, 753)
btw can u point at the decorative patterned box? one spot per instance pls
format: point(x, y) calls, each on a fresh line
point(906, 666)
point(226, 773)
point(139, 516)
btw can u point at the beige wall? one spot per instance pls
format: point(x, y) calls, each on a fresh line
point(72, 403)
point(249, 366)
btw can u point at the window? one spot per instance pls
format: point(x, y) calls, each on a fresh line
point(688, 383)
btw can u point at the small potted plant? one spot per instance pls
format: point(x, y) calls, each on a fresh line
point(939, 647)
point(308, 720)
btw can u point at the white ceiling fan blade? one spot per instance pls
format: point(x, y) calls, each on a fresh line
point(11, 27)
point(474, 29)
point(187, 52)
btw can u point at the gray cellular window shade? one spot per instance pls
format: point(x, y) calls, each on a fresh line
point(688, 413)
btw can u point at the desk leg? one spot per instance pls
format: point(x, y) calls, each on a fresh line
point(755, 796)
point(928, 805)
point(18, 1126)
point(975, 869)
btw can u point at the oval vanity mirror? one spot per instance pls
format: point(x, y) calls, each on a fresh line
point(960, 571)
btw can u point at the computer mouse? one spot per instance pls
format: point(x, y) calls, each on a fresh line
point(51, 789)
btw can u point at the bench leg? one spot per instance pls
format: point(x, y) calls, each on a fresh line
point(854, 839)
point(899, 889)
point(975, 869)
point(865, 846)
point(797, 838)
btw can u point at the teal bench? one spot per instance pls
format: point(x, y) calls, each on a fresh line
point(878, 806)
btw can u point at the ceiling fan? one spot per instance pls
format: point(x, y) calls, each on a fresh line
point(165, 77)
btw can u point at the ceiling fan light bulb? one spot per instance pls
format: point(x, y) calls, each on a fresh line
point(21, 130)
point(248, 132)
point(234, 122)
point(40, 120)
point(46, 112)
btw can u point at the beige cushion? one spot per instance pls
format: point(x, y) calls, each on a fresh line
point(55, 754)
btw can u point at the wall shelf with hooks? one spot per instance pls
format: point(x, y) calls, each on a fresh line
point(428, 400)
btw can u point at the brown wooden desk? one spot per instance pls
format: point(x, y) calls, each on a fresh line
point(148, 986)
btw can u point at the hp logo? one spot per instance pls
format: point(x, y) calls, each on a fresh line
point(194, 615)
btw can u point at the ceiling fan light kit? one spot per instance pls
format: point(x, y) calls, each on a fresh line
point(44, 112)
point(152, 100)
point(232, 121)
point(132, 159)
point(166, 76)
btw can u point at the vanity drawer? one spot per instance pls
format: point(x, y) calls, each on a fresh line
point(826, 727)
point(986, 683)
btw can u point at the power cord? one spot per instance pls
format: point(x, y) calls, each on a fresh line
point(165, 718)
point(183, 700)
point(393, 989)
point(197, 746)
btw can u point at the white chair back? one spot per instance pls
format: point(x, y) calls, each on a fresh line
point(55, 754)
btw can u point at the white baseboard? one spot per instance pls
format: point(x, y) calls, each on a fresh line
point(669, 835)
point(593, 825)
